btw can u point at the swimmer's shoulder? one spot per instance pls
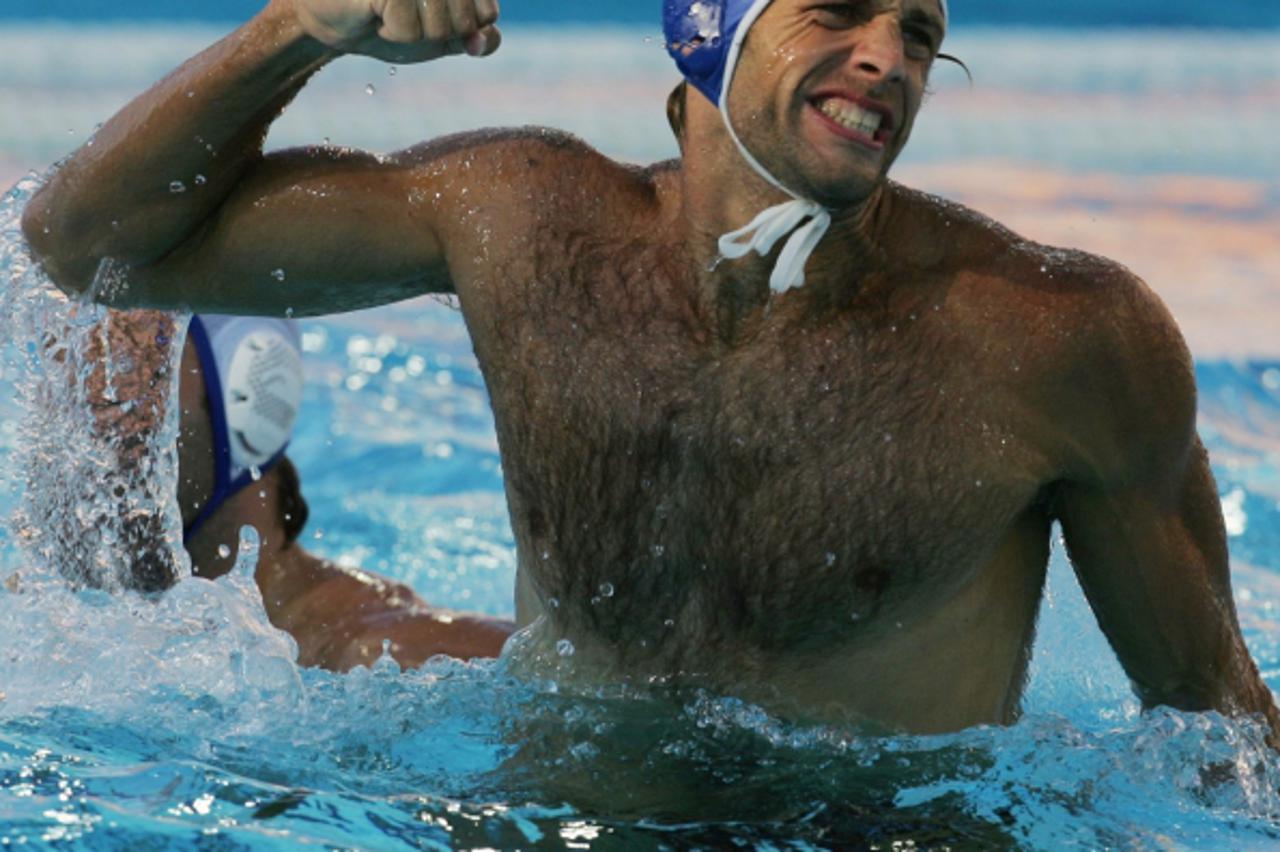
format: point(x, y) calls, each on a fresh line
point(1085, 297)
point(1098, 352)
point(538, 170)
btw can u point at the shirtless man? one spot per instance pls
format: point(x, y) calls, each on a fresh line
point(240, 390)
point(822, 477)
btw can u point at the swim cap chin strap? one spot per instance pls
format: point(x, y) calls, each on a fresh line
point(778, 221)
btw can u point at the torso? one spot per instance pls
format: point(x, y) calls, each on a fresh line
point(841, 511)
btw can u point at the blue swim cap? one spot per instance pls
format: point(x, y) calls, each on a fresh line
point(699, 34)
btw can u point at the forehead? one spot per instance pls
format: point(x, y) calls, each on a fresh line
point(933, 9)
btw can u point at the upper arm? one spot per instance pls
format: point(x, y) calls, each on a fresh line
point(1141, 516)
point(306, 231)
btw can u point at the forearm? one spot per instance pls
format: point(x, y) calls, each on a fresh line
point(160, 168)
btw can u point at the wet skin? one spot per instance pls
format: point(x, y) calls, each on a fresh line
point(836, 501)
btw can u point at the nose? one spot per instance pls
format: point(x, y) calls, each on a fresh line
point(878, 54)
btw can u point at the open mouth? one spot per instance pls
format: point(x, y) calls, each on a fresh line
point(862, 121)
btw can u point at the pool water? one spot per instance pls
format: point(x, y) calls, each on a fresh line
point(135, 723)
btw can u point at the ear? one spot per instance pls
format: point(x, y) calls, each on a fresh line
point(675, 110)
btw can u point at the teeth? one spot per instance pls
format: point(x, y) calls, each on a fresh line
point(852, 116)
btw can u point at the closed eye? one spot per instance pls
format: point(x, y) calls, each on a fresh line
point(919, 41)
point(918, 37)
point(841, 15)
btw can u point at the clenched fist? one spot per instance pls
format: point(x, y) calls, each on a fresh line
point(402, 30)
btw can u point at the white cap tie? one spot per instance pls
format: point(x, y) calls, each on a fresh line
point(772, 225)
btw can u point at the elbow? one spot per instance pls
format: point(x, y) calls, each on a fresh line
point(55, 246)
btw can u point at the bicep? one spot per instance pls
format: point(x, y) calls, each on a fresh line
point(307, 232)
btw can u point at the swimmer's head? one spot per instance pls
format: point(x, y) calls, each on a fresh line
point(241, 391)
point(818, 102)
point(807, 73)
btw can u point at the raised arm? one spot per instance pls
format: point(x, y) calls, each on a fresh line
point(175, 188)
point(1144, 525)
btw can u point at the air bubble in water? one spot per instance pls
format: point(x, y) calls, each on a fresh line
point(224, 551)
point(177, 186)
point(565, 648)
point(369, 89)
point(277, 274)
point(606, 590)
point(201, 180)
point(391, 72)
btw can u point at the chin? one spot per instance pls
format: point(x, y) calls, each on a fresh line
point(839, 193)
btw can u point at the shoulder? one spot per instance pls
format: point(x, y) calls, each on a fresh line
point(1102, 361)
point(518, 161)
point(1115, 365)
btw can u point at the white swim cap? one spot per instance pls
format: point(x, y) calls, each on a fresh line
point(253, 381)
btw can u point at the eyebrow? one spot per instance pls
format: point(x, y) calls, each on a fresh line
point(922, 18)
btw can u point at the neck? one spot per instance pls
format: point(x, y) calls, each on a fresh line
point(721, 192)
point(284, 573)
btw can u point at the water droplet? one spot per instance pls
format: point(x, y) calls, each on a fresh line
point(831, 559)
point(658, 550)
point(255, 473)
point(201, 180)
point(277, 274)
point(369, 89)
point(177, 186)
point(553, 603)
point(669, 623)
point(325, 141)
point(565, 648)
point(224, 551)
point(606, 590)
point(546, 554)
point(391, 72)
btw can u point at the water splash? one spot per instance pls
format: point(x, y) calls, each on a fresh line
point(95, 455)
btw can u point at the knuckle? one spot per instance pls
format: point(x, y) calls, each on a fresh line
point(486, 12)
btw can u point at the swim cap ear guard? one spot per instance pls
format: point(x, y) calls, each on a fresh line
point(705, 39)
point(253, 382)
